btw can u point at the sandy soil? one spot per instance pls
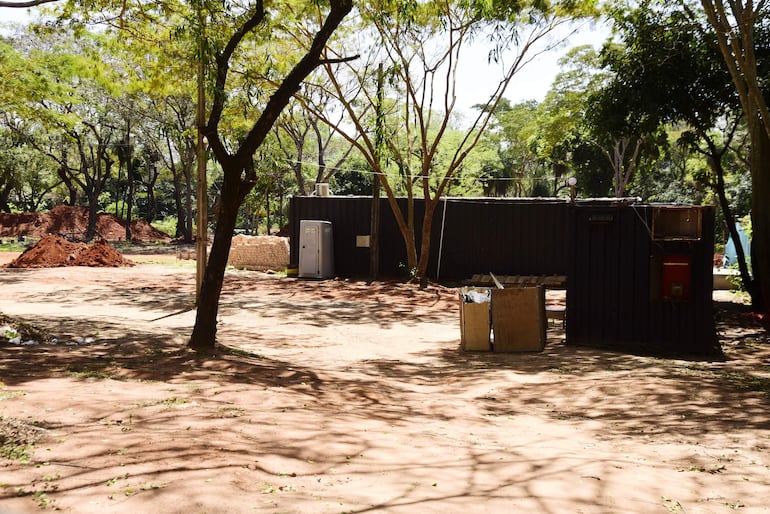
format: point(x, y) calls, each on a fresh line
point(339, 396)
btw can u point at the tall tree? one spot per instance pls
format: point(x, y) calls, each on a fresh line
point(736, 28)
point(518, 170)
point(421, 45)
point(177, 150)
point(236, 161)
point(667, 72)
point(26, 176)
point(63, 86)
point(624, 138)
point(564, 137)
point(161, 103)
point(241, 37)
point(301, 137)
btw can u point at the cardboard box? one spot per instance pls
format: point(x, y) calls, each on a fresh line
point(518, 319)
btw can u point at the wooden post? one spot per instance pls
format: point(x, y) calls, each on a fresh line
point(201, 237)
point(374, 237)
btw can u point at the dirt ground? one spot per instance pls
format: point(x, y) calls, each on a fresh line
point(71, 222)
point(338, 396)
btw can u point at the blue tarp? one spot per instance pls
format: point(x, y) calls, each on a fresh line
point(731, 257)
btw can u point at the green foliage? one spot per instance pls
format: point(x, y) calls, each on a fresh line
point(67, 65)
point(739, 191)
point(522, 170)
point(564, 141)
point(664, 72)
point(746, 225)
point(356, 179)
point(166, 225)
point(11, 245)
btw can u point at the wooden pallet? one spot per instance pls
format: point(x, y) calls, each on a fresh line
point(549, 281)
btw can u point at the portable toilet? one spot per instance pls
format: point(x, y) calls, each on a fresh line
point(316, 249)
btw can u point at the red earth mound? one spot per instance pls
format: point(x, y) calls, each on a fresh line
point(71, 222)
point(54, 252)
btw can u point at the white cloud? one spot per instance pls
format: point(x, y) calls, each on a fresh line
point(14, 15)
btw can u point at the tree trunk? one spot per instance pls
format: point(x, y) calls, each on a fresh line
point(427, 228)
point(72, 190)
point(178, 206)
point(410, 241)
point(715, 161)
point(760, 217)
point(188, 201)
point(406, 228)
point(5, 194)
point(181, 214)
point(267, 210)
point(234, 188)
point(234, 191)
point(93, 207)
point(130, 195)
point(152, 201)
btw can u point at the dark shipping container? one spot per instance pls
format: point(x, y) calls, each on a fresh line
point(638, 276)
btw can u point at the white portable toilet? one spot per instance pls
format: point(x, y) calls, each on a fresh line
point(316, 250)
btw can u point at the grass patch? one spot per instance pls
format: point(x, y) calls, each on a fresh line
point(115, 480)
point(739, 379)
point(97, 373)
point(17, 439)
point(166, 225)
point(229, 412)
point(168, 402)
point(164, 260)
point(747, 382)
point(12, 245)
point(149, 247)
point(8, 395)
point(237, 352)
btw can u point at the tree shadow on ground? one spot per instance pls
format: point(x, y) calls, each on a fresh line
point(283, 423)
point(244, 398)
point(562, 382)
point(318, 303)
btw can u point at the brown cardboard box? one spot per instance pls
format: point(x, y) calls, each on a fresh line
point(475, 321)
point(518, 319)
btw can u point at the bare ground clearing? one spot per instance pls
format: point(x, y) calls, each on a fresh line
point(339, 396)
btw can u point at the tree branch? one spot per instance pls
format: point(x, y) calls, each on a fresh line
point(29, 3)
point(339, 60)
point(292, 81)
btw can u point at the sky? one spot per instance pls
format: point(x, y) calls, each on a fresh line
point(532, 82)
point(8, 14)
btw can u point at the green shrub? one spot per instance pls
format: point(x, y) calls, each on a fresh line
point(167, 225)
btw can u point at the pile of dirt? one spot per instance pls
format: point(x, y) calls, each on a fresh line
point(101, 255)
point(55, 252)
point(72, 222)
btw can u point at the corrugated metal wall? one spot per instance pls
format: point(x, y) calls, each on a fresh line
point(349, 217)
point(502, 236)
point(614, 293)
point(612, 262)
